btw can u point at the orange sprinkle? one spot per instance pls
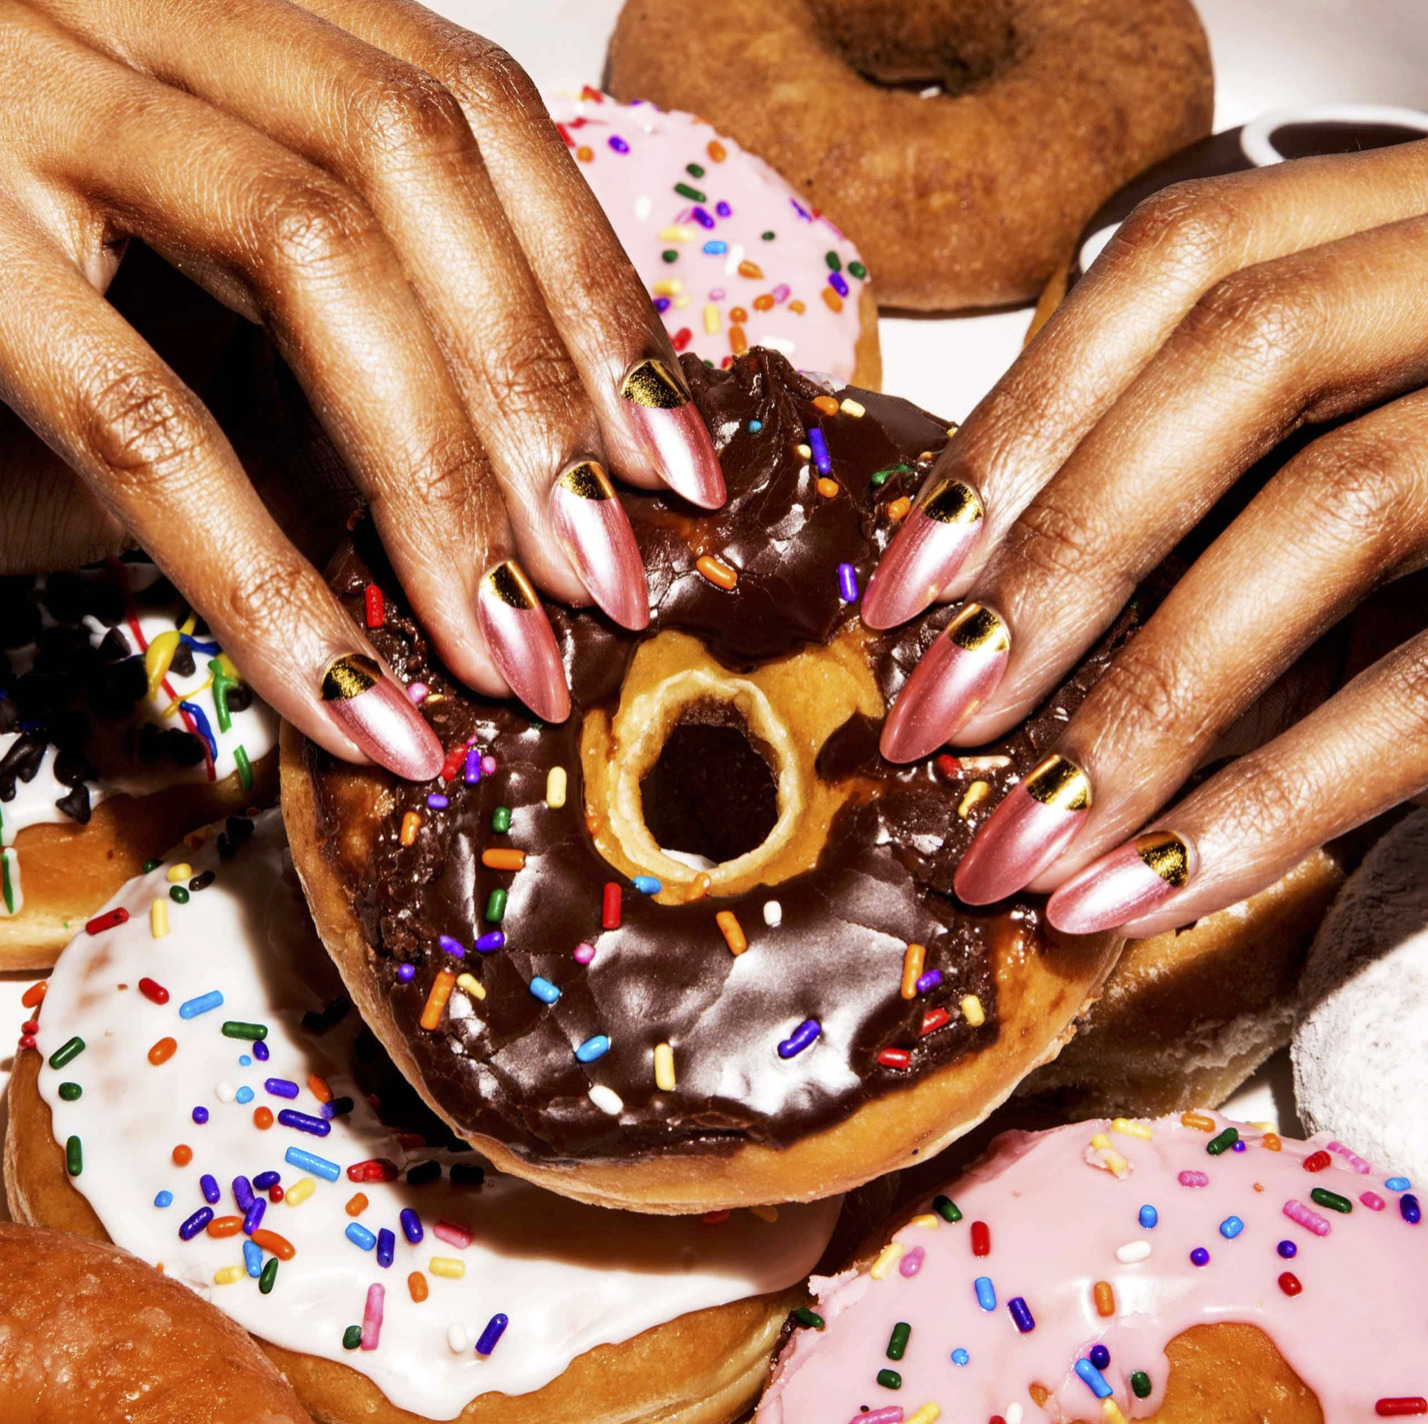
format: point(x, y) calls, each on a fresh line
point(898, 508)
point(411, 824)
point(280, 1246)
point(827, 487)
point(717, 571)
point(716, 150)
point(698, 888)
point(416, 1284)
point(797, 307)
point(225, 1226)
point(913, 958)
point(592, 822)
point(751, 270)
point(732, 931)
point(317, 1086)
point(826, 404)
point(503, 858)
point(1105, 1298)
point(182, 1155)
point(357, 1204)
point(738, 314)
point(763, 302)
point(1271, 1142)
point(832, 300)
point(738, 341)
point(1199, 1120)
point(163, 1050)
point(262, 1118)
point(585, 154)
point(441, 988)
point(34, 994)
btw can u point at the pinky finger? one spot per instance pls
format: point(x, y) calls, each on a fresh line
point(1358, 754)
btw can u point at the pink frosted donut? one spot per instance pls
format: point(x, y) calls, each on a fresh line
point(730, 256)
point(1188, 1268)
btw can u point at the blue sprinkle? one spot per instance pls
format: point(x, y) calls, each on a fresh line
point(806, 1033)
point(304, 1123)
point(544, 990)
point(1409, 1209)
point(406, 973)
point(618, 144)
point(199, 645)
point(245, 1060)
point(195, 1223)
point(839, 284)
point(253, 1217)
point(208, 1185)
point(1199, 1257)
point(201, 1005)
point(926, 983)
point(593, 1048)
point(253, 1258)
point(961, 1357)
point(453, 947)
point(755, 426)
point(386, 1247)
point(281, 1087)
point(647, 884)
point(264, 1180)
point(1148, 1217)
point(311, 1162)
point(716, 248)
point(1021, 1315)
point(200, 1115)
point(488, 943)
point(261, 1051)
point(848, 592)
point(358, 1235)
point(800, 210)
point(201, 725)
point(411, 1226)
point(164, 1199)
point(661, 304)
point(495, 1328)
point(819, 446)
point(437, 801)
point(986, 1292)
point(1095, 1380)
point(1398, 1184)
point(723, 209)
point(702, 218)
point(1099, 1356)
point(244, 1094)
point(1231, 1227)
point(242, 1193)
point(1287, 1249)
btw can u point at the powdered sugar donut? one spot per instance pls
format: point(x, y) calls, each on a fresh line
point(1359, 1047)
point(730, 255)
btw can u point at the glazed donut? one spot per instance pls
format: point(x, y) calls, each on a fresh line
point(1358, 1044)
point(1182, 1269)
point(731, 258)
point(121, 728)
point(201, 1100)
point(785, 1002)
point(960, 145)
point(87, 1332)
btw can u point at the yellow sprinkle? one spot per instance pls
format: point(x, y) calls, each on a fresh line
point(472, 985)
point(952, 429)
point(973, 1011)
point(680, 302)
point(159, 918)
point(853, 408)
point(676, 232)
point(804, 452)
point(228, 1275)
point(1112, 1411)
point(668, 287)
point(1127, 1128)
point(711, 318)
point(180, 872)
point(664, 1067)
point(765, 1213)
point(929, 1219)
point(173, 708)
point(300, 1191)
point(977, 791)
point(157, 657)
point(1263, 1126)
point(447, 1266)
point(1114, 1160)
point(555, 783)
point(926, 1414)
point(891, 1254)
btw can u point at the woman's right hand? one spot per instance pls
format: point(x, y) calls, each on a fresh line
point(386, 194)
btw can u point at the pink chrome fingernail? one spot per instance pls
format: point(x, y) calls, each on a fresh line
point(370, 707)
point(591, 524)
point(956, 675)
point(1129, 882)
point(668, 425)
point(521, 641)
point(929, 548)
point(1036, 821)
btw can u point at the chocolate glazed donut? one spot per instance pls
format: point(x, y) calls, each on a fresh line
point(615, 1022)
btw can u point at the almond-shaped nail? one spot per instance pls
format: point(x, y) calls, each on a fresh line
point(667, 425)
point(591, 524)
point(956, 675)
point(521, 640)
point(930, 547)
point(1129, 882)
point(370, 707)
point(1036, 821)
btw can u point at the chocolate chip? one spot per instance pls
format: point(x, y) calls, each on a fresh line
point(76, 804)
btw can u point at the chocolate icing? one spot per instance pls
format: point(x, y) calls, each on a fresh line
point(505, 1065)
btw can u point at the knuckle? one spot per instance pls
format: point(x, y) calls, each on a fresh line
point(1057, 543)
point(405, 115)
point(312, 224)
point(1257, 320)
point(141, 423)
point(1184, 230)
point(530, 378)
point(486, 76)
point(1144, 694)
point(1354, 483)
point(445, 481)
point(272, 591)
point(1408, 684)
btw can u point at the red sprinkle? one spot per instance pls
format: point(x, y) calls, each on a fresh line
point(29, 1027)
point(1290, 1284)
point(375, 1169)
point(681, 338)
point(948, 765)
point(106, 921)
point(27, 1040)
point(934, 1019)
point(981, 1239)
point(156, 993)
point(1317, 1161)
point(715, 1218)
point(376, 607)
point(275, 1193)
point(453, 763)
point(1401, 1404)
point(610, 911)
point(895, 1058)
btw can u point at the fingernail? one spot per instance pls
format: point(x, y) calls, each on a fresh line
point(668, 425)
point(1129, 882)
point(370, 707)
point(1036, 821)
point(956, 675)
point(521, 641)
point(929, 548)
point(591, 524)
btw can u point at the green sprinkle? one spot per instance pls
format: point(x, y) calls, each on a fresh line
point(670, 255)
point(352, 1337)
point(1332, 1200)
point(501, 820)
point(270, 1274)
point(810, 1318)
point(67, 1052)
point(768, 236)
point(222, 683)
point(1223, 1142)
point(856, 269)
point(1140, 1383)
point(7, 888)
point(889, 1379)
point(693, 194)
point(496, 906)
point(946, 1208)
point(151, 865)
point(897, 1342)
point(74, 1157)
point(245, 769)
point(835, 263)
point(694, 170)
point(70, 1092)
point(236, 1028)
point(178, 895)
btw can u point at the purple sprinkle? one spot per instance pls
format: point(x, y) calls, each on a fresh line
point(418, 692)
point(386, 1247)
point(304, 1123)
point(801, 210)
point(1199, 1257)
point(264, 1180)
point(1238, 1145)
point(848, 592)
point(406, 973)
point(488, 765)
point(200, 1115)
point(819, 446)
point(911, 1263)
point(723, 209)
point(411, 1226)
point(929, 981)
point(584, 953)
point(661, 304)
point(281, 1087)
point(800, 1038)
point(618, 144)
point(702, 217)
point(437, 801)
point(253, 1217)
point(489, 943)
point(1287, 1249)
point(472, 772)
point(1021, 1315)
point(242, 1193)
point(495, 1328)
point(261, 1051)
point(837, 282)
point(208, 1185)
point(716, 294)
point(453, 947)
point(1409, 1209)
point(782, 292)
point(195, 1223)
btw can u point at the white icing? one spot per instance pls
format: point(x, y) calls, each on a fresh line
point(569, 1276)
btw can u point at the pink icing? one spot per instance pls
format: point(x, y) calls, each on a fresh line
point(636, 187)
point(1058, 1215)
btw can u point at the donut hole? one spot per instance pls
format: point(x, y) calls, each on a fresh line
point(712, 792)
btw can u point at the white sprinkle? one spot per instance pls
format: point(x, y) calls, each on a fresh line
point(736, 256)
point(1132, 1252)
point(1013, 1414)
point(458, 1338)
point(984, 763)
point(225, 1092)
point(607, 1100)
point(852, 407)
point(644, 206)
point(773, 914)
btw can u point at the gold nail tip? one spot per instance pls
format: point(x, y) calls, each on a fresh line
point(587, 480)
point(350, 676)
point(952, 502)
point(1166, 854)
point(977, 629)
point(1061, 784)
point(652, 384)
point(509, 583)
